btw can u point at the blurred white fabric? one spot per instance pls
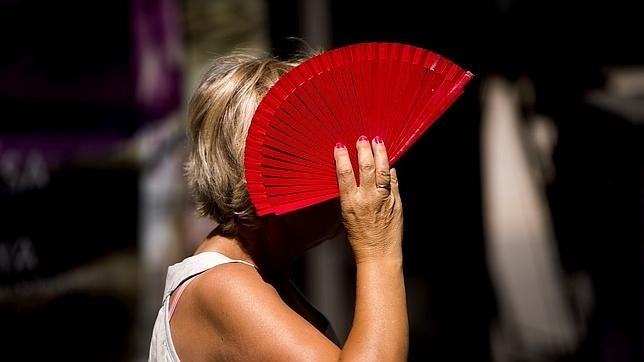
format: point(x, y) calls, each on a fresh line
point(535, 319)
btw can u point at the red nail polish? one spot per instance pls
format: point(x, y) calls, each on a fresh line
point(363, 138)
point(378, 140)
point(340, 145)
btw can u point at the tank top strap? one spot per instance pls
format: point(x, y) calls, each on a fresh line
point(193, 265)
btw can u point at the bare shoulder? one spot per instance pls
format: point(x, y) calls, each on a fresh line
point(244, 311)
point(229, 282)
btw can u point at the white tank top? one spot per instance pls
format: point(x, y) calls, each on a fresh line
point(161, 346)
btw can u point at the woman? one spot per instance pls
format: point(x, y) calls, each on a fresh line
point(233, 299)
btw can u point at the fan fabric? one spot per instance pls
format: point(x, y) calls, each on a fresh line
point(392, 90)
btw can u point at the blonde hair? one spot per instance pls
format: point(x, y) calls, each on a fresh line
point(220, 113)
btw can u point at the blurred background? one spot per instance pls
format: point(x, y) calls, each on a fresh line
point(524, 203)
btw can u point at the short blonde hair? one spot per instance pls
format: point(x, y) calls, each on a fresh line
point(220, 112)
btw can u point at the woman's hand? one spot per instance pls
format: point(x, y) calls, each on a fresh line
point(373, 218)
point(371, 212)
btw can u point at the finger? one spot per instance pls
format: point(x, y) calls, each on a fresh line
point(366, 163)
point(381, 161)
point(346, 179)
point(395, 190)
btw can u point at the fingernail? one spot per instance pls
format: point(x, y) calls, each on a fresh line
point(363, 138)
point(378, 140)
point(340, 145)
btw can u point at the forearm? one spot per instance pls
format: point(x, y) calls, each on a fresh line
point(380, 330)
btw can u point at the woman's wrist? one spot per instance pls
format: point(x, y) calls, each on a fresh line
point(390, 261)
point(378, 254)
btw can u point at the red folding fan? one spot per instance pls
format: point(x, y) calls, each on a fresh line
point(395, 91)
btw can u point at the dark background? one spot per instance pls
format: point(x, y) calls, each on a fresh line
point(68, 103)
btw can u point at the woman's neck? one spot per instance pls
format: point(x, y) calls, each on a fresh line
point(272, 259)
point(224, 245)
